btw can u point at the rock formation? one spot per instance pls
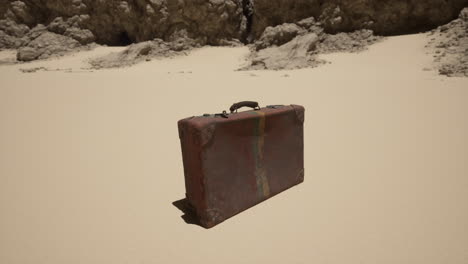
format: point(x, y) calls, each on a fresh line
point(125, 22)
point(381, 16)
point(212, 22)
point(449, 45)
point(295, 45)
point(143, 51)
point(295, 54)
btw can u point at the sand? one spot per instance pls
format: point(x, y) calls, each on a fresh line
point(90, 161)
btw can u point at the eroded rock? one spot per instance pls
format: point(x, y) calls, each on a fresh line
point(295, 54)
point(71, 28)
point(381, 16)
point(45, 45)
point(355, 41)
point(119, 22)
point(144, 51)
point(309, 40)
point(217, 22)
point(83, 36)
point(278, 35)
point(8, 41)
point(13, 29)
point(449, 46)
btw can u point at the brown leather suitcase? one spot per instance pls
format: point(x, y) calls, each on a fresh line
point(234, 161)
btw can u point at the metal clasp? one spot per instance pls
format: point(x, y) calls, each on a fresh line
point(224, 114)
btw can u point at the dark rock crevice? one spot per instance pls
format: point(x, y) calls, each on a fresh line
point(122, 40)
point(248, 12)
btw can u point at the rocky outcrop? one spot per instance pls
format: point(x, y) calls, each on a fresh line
point(41, 43)
point(278, 35)
point(128, 21)
point(213, 22)
point(354, 41)
point(277, 12)
point(125, 22)
point(143, 51)
point(12, 33)
point(46, 45)
point(71, 28)
point(295, 54)
point(295, 46)
point(118, 22)
point(381, 16)
point(449, 46)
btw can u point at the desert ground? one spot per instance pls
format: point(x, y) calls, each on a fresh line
point(90, 160)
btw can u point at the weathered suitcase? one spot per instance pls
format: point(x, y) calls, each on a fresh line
point(234, 161)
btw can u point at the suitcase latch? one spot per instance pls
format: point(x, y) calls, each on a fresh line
point(274, 106)
point(224, 114)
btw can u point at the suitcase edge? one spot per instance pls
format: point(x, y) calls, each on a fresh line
point(194, 136)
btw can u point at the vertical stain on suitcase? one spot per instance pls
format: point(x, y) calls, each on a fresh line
point(233, 162)
point(263, 188)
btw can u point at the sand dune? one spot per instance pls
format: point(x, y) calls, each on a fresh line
point(90, 160)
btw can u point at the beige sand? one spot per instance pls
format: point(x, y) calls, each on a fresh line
point(90, 162)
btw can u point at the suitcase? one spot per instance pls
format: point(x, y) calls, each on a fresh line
point(237, 160)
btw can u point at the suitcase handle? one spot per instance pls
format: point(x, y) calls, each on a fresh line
point(251, 104)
